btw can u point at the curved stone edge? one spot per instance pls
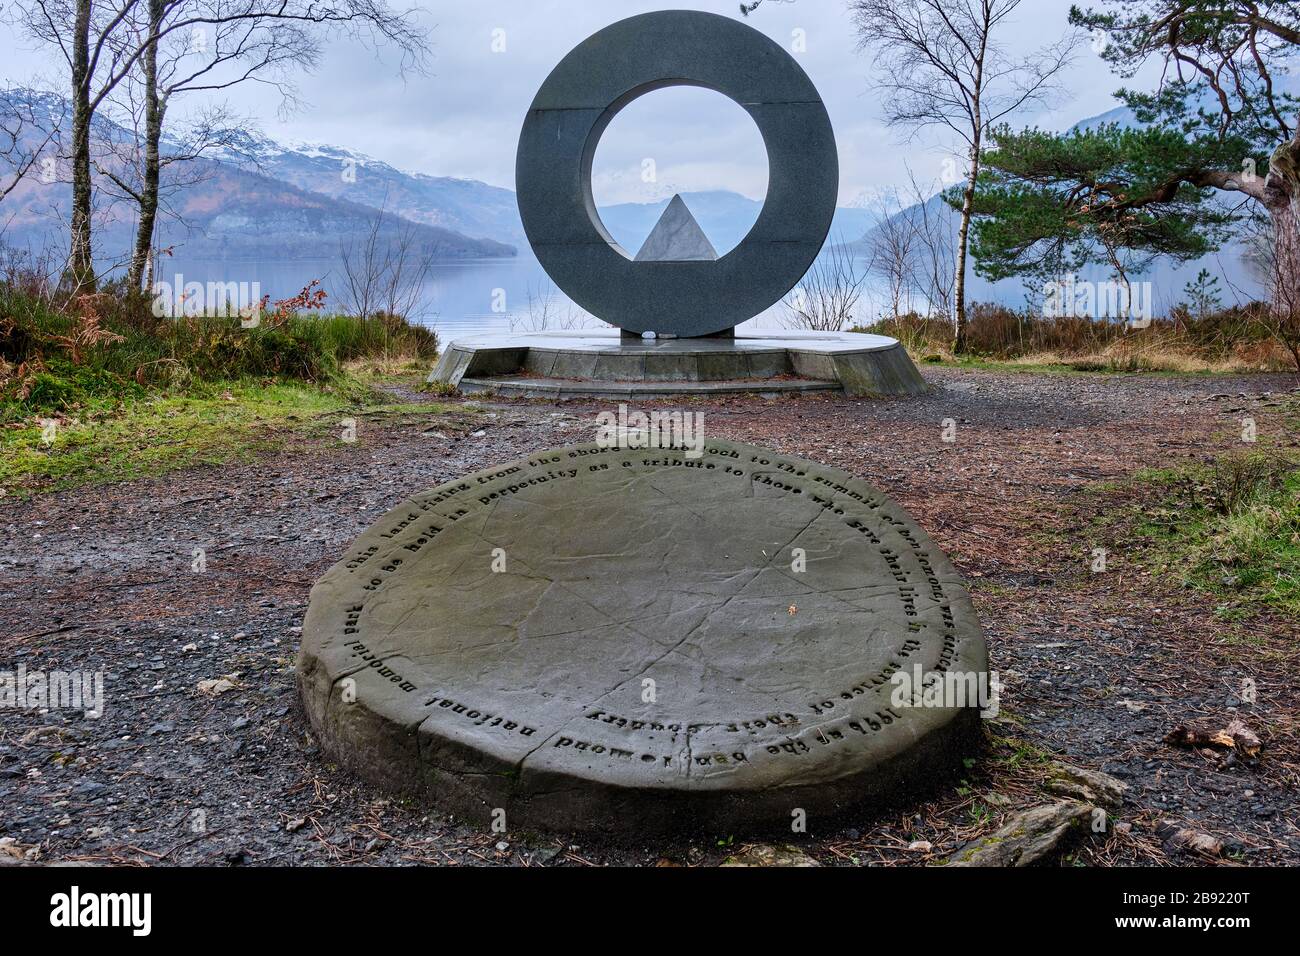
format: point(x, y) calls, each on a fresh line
point(440, 772)
point(560, 390)
point(870, 373)
point(399, 761)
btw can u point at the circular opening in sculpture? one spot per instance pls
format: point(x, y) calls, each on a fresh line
point(681, 141)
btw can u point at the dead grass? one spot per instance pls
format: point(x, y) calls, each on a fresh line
point(1232, 340)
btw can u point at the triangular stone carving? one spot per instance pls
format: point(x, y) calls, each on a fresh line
point(677, 237)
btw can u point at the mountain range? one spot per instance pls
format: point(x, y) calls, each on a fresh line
point(253, 199)
point(256, 197)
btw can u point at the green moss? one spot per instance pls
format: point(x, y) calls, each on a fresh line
point(1231, 529)
point(152, 436)
point(1015, 752)
point(59, 360)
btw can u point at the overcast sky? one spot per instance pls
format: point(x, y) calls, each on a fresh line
point(464, 118)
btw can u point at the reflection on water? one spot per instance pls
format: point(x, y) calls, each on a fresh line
point(459, 296)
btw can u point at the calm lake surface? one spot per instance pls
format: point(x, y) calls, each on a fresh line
point(459, 297)
point(465, 296)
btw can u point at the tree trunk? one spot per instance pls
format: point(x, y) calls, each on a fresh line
point(1284, 321)
point(963, 241)
point(968, 197)
point(153, 123)
point(80, 273)
point(1282, 199)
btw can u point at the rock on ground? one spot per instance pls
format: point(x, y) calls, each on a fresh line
point(1028, 837)
point(763, 855)
point(1092, 786)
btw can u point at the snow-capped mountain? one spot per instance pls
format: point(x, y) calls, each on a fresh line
point(257, 196)
point(471, 208)
point(233, 204)
point(484, 211)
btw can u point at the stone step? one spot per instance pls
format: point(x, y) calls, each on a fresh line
point(562, 388)
point(853, 363)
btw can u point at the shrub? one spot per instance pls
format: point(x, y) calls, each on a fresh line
point(55, 355)
point(1238, 335)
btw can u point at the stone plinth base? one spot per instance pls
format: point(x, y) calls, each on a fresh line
point(601, 363)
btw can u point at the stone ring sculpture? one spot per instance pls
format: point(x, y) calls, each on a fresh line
point(578, 101)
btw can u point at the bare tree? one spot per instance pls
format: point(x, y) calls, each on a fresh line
point(105, 41)
point(912, 248)
point(363, 271)
point(26, 133)
point(826, 300)
point(133, 171)
point(409, 264)
point(547, 311)
point(211, 58)
point(1268, 263)
point(891, 253)
point(385, 270)
point(943, 67)
point(934, 261)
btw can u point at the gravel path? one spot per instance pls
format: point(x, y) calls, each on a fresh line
point(1097, 667)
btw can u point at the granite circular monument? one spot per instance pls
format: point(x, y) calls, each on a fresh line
point(712, 636)
point(676, 286)
point(687, 293)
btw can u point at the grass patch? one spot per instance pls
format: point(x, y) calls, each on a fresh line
point(148, 436)
point(1231, 528)
point(60, 357)
point(97, 388)
point(1229, 340)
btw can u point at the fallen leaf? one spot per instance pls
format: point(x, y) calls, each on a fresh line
point(1236, 736)
point(218, 685)
point(1198, 841)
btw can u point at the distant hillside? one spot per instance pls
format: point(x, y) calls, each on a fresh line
point(235, 211)
point(465, 206)
point(1236, 276)
point(263, 198)
point(725, 217)
point(239, 214)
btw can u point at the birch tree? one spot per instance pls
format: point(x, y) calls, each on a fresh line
point(941, 65)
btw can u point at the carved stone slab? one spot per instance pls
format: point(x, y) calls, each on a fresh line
point(638, 640)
